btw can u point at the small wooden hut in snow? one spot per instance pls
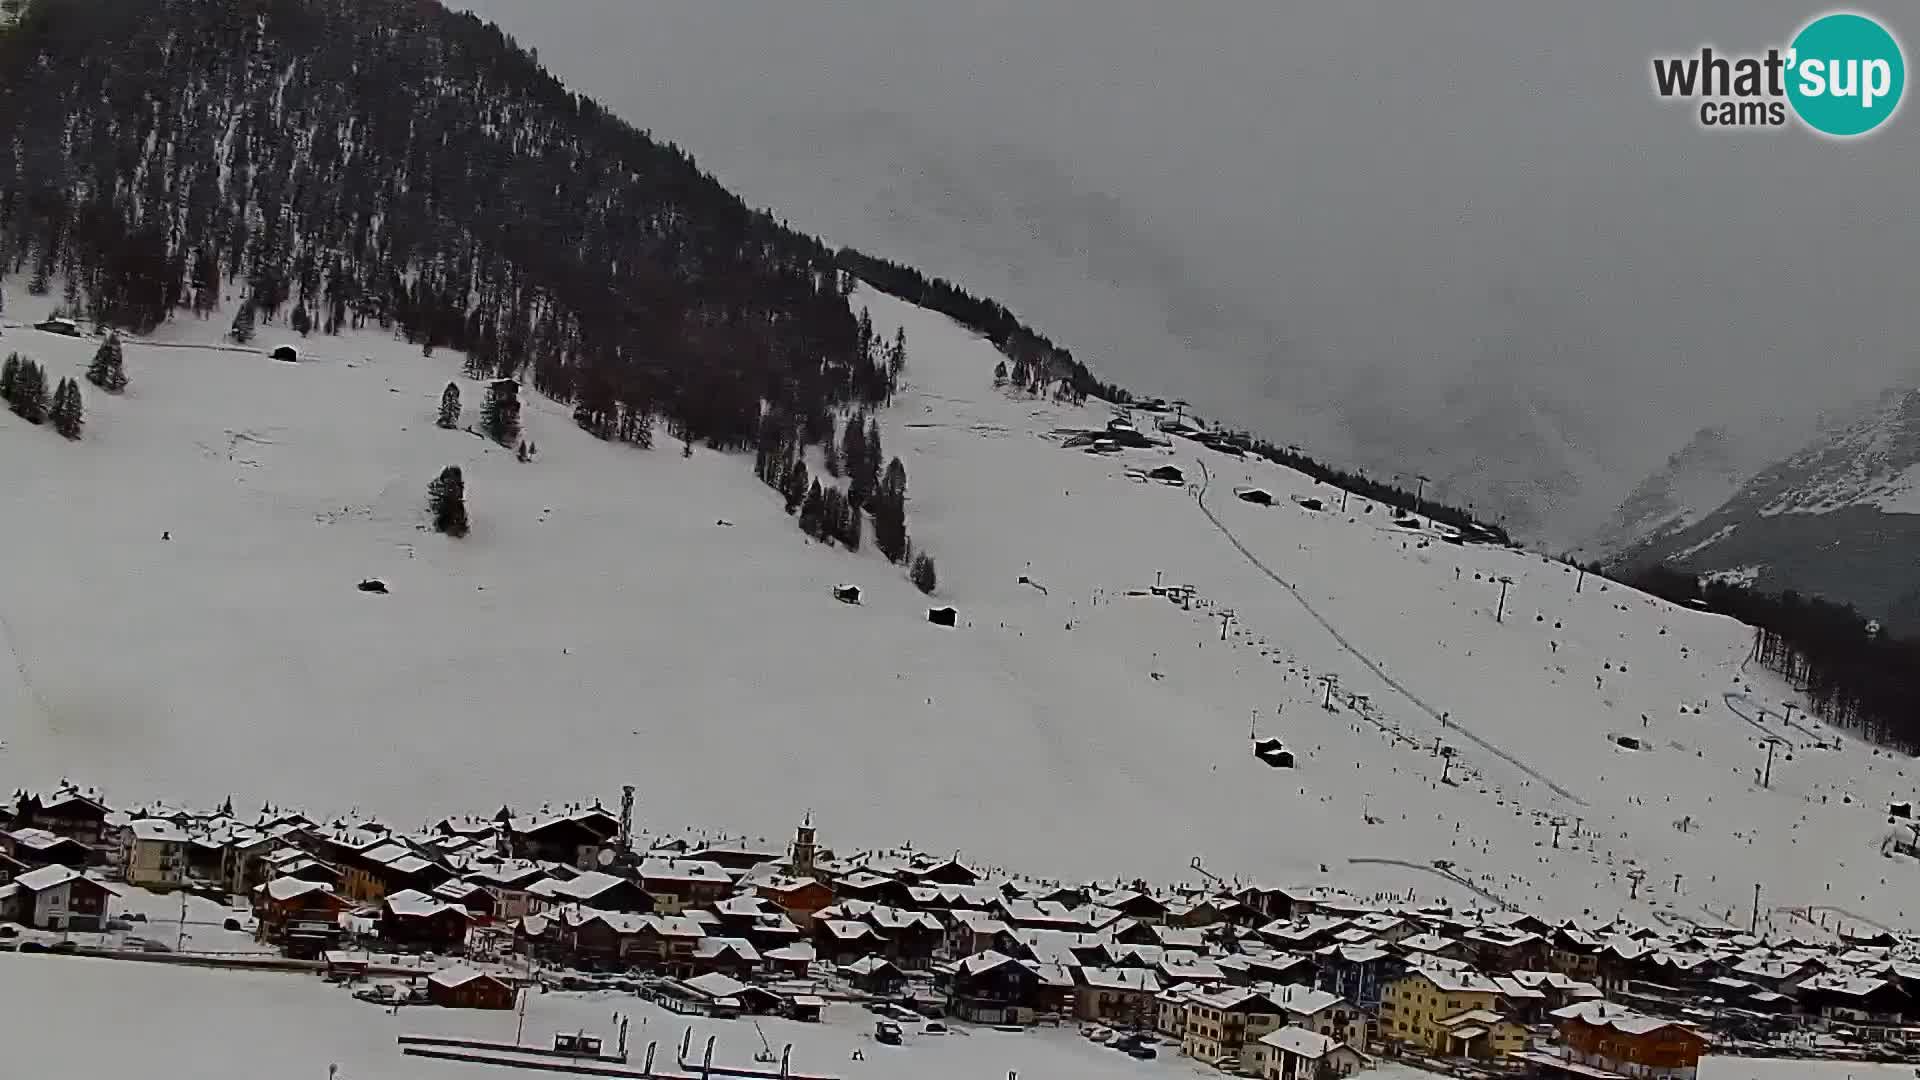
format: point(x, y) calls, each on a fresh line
point(847, 594)
point(942, 616)
point(286, 353)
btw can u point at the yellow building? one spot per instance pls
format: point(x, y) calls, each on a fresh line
point(155, 856)
point(1450, 1011)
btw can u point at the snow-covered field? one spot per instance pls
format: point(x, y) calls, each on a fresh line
point(600, 627)
point(239, 1025)
point(235, 1025)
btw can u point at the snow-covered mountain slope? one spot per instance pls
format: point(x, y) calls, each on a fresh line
point(1839, 517)
point(1697, 478)
point(620, 616)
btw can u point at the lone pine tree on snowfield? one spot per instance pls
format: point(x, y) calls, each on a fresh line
point(447, 498)
point(449, 407)
point(68, 414)
point(107, 371)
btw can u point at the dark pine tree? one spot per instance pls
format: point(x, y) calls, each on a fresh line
point(29, 398)
point(855, 526)
point(853, 454)
point(795, 486)
point(890, 513)
point(449, 407)
point(241, 332)
point(500, 413)
point(1000, 374)
point(9, 375)
point(68, 413)
point(811, 508)
point(447, 500)
point(301, 322)
point(924, 577)
point(108, 369)
point(833, 514)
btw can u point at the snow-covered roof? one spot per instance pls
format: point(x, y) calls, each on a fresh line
point(157, 830)
point(287, 888)
point(716, 986)
point(47, 877)
point(1299, 1042)
point(1100, 978)
point(680, 871)
point(709, 947)
point(412, 903)
point(456, 976)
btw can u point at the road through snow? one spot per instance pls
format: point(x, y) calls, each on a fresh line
point(1206, 482)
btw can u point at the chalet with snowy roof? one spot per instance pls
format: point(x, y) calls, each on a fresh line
point(731, 956)
point(11, 868)
point(679, 884)
point(1276, 967)
point(56, 898)
point(737, 858)
point(477, 901)
point(1304, 934)
point(1856, 1001)
point(666, 943)
point(594, 889)
point(1618, 1041)
point(842, 941)
point(973, 932)
point(874, 975)
point(295, 863)
point(798, 898)
point(389, 866)
point(873, 888)
point(1357, 972)
point(67, 811)
point(943, 872)
point(1574, 952)
point(993, 988)
point(1047, 915)
point(1496, 949)
point(1212, 910)
point(1136, 905)
point(792, 961)
point(40, 847)
point(510, 883)
point(1295, 1053)
point(575, 838)
point(1556, 990)
point(582, 937)
point(465, 988)
point(414, 921)
point(1124, 996)
point(285, 905)
point(1277, 903)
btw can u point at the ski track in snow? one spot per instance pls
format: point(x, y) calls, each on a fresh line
point(1354, 651)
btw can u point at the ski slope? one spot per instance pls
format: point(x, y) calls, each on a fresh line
point(602, 626)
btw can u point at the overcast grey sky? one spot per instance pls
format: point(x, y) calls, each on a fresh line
point(1461, 238)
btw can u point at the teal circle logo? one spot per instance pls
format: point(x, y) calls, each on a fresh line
point(1846, 74)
